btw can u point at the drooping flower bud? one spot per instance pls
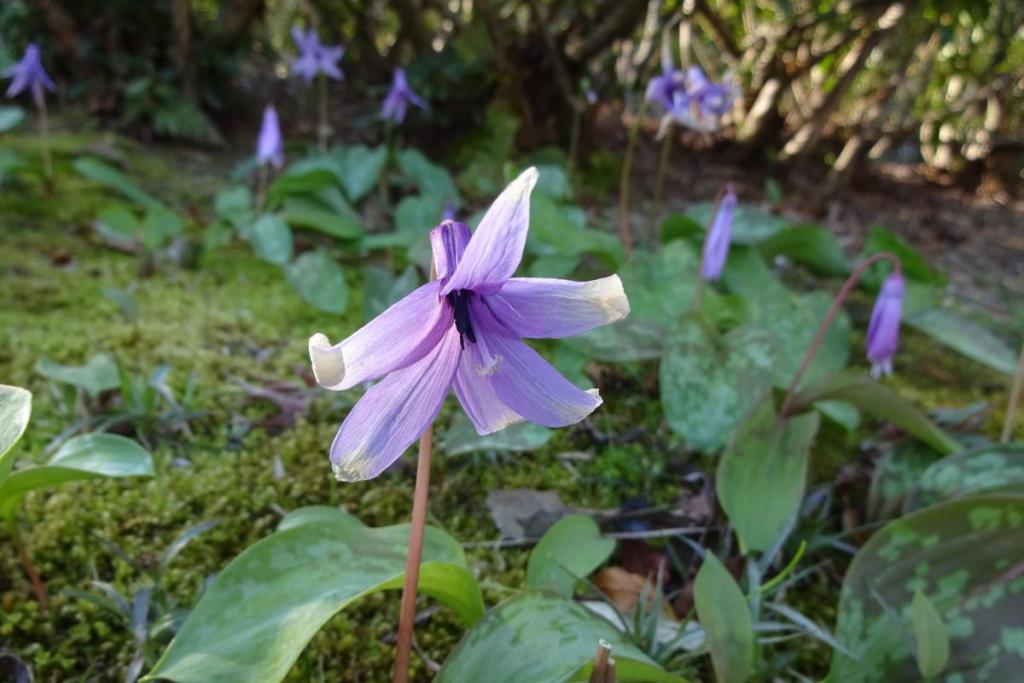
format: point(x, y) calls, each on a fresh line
point(884, 327)
point(716, 244)
point(270, 147)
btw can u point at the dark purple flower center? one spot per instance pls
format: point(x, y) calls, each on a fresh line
point(459, 299)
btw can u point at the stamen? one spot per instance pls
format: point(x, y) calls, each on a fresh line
point(459, 299)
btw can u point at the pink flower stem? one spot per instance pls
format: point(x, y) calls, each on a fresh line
point(1011, 408)
point(625, 230)
point(837, 303)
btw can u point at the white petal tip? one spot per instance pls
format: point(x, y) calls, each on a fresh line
point(610, 295)
point(328, 362)
point(596, 394)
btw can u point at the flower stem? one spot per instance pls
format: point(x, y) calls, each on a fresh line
point(44, 131)
point(407, 614)
point(38, 587)
point(323, 130)
point(659, 178)
point(574, 137)
point(837, 303)
point(625, 231)
point(1011, 408)
point(261, 186)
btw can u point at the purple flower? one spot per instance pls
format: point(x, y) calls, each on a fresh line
point(464, 331)
point(716, 244)
point(399, 98)
point(884, 327)
point(28, 74)
point(270, 148)
point(710, 99)
point(690, 99)
point(315, 58)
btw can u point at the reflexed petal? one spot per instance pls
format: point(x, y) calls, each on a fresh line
point(399, 336)
point(497, 245)
point(394, 413)
point(328, 62)
point(475, 392)
point(546, 307)
point(524, 381)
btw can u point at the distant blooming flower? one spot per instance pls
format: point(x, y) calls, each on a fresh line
point(315, 58)
point(28, 74)
point(398, 99)
point(884, 327)
point(463, 331)
point(716, 244)
point(689, 99)
point(270, 148)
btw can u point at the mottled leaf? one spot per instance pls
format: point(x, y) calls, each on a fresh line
point(542, 638)
point(987, 469)
point(15, 410)
point(967, 337)
point(461, 437)
point(319, 280)
point(567, 552)
point(726, 619)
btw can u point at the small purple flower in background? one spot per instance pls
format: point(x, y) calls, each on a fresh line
point(28, 74)
point(464, 331)
point(270, 147)
point(667, 88)
point(690, 99)
point(710, 99)
point(716, 244)
point(398, 99)
point(315, 58)
point(884, 327)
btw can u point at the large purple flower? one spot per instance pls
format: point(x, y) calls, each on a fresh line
point(884, 327)
point(270, 147)
point(716, 244)
point(464, 331)
point(28, 74)
point(398, 99)
point(315, 58)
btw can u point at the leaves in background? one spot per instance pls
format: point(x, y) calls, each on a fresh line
point(96, 375)
point(567, 552)
point(107, 175)
point(15, 411)
point(930, 634)
point(10, 117)
point(461, 437)
point(159, 226)
point(257, 616)
point(303, 177)
point(809, 245)
point(542, 638)
point(724, 614)
point(965, 336)
point(965, 556)
point(381, 288)
point(987, 469)
point(750, 224)
point(307, 212)
point(234, 205)
point(763, 472)
point(271, 239)
point(915, 267)
point(359, 168)
point(319, 280)
point(431, 180)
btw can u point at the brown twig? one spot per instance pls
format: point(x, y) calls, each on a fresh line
point(407, 614)
point(38, 586)
point(601, 660)
point(1011, 408)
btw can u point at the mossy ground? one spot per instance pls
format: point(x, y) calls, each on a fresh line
point(233, 318)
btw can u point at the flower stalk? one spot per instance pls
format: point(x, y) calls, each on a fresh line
point(1011, 408)
point(625, 230)
point(659, 178)
point(323, 128)
point(44, 132)
point(837, 304)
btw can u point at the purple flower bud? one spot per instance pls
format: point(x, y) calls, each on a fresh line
point(398, 99)
point(315, 58)
point(716, 244)
point(28, 74)
point(270, 147)
point(884, 327)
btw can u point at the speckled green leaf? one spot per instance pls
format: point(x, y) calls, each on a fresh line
point(570, 550)
point(750, 224)
point(95, 376)
point(763, 472)
point(15, 410)
point(874, 398)
point(542, 638)
point(967, 337)
point(930, 635)
point(726, 619)
point(461, 437)
point(966, 556)
point(89, 456)
point(709, 382)
point(996, 467)
point(255, 619)
point(895, 476)
point(319, 280)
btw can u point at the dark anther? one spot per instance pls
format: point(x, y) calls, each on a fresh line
point(459, 299)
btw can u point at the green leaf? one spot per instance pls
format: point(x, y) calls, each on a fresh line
point(10, 117)
point(559, 230)
point(360, 168)
point(965, 556)
point(160, 226)
point(810, 245)
point(895, 476)
point(724, 614)
point(319, 280)
point(930, 634)
point(569, 551)
point(234, 205)
point(553, 181)
point(461, 437)
point(987, 469)
point(763, 472)
point(119, 219)
point(15, 410)
point(97, 375)
point(678, 226)
point(255, 619)
point(88, 456)
point(915, 266)
point(750, 224)
point(542, 638)
point(304, 177)
point(871, 397)
point(107, 175)
point(429, 178)
point(967, 337)
point(304, 212)
point(271, 238)
point(417, 215)
point(709, 382)
point(381, 288)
